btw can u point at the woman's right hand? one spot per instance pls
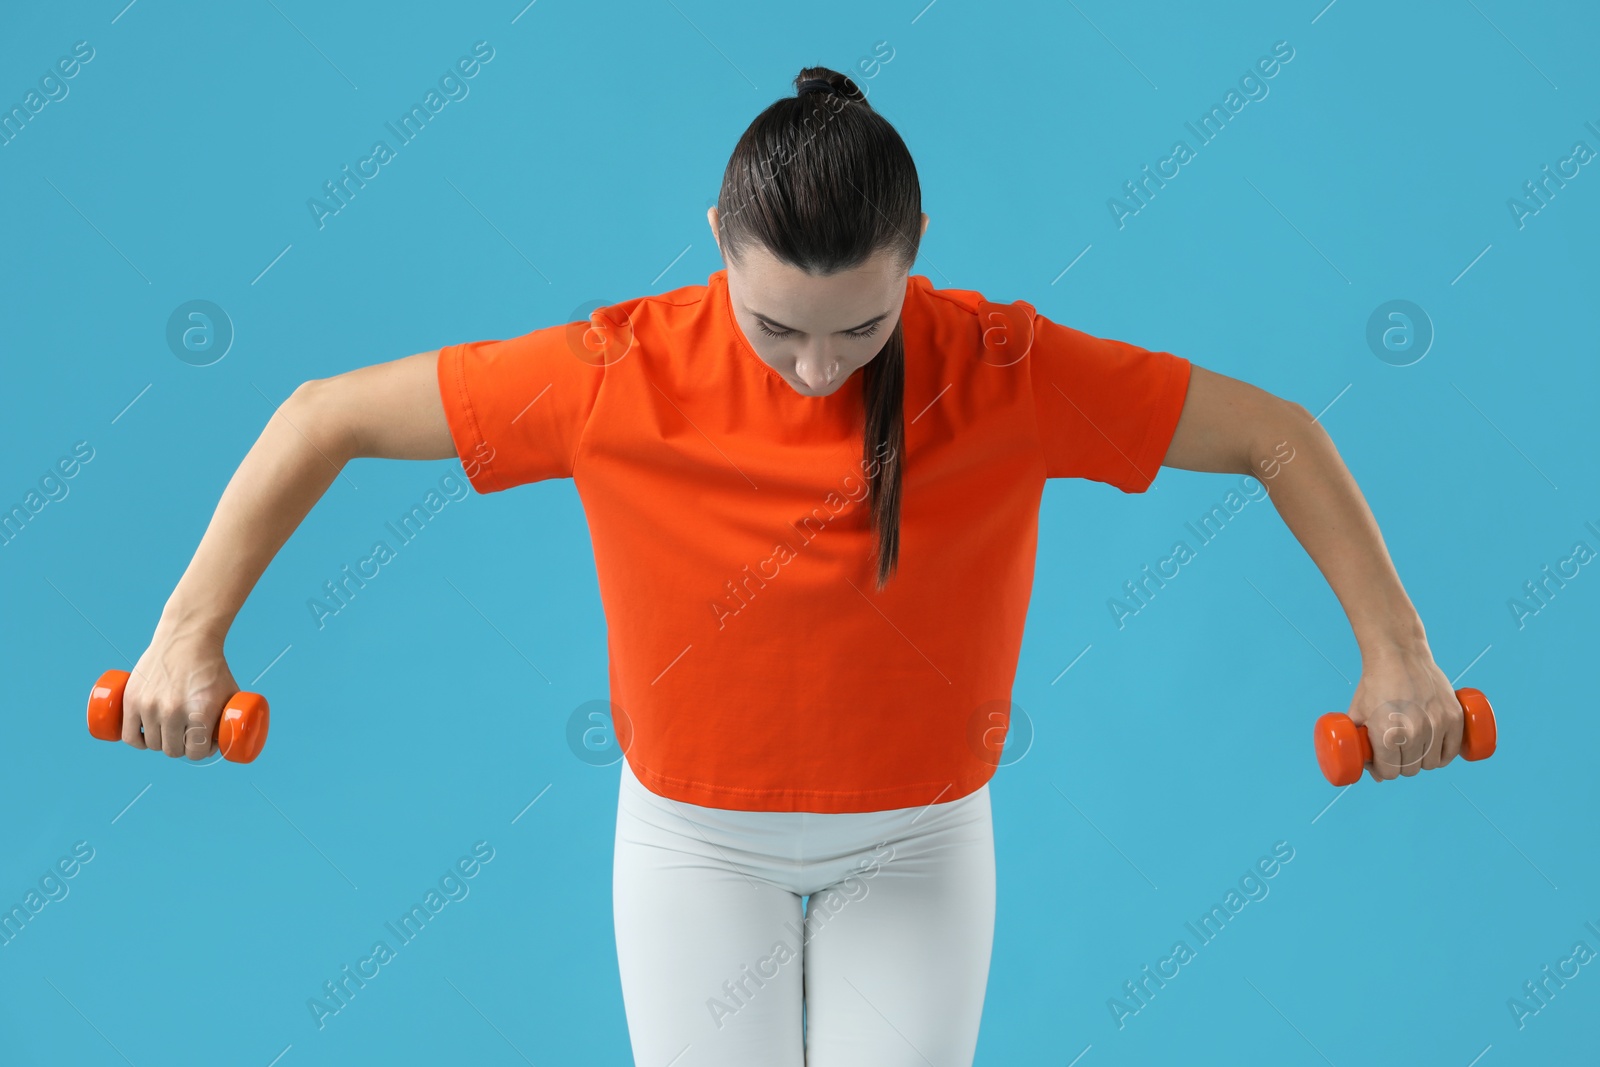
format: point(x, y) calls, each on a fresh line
point(176, 695)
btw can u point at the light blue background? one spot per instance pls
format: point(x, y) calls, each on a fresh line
point(579, 169)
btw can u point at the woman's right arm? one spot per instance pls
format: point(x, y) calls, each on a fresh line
point(388, 410)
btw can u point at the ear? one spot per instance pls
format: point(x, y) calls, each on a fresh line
point(711, 217)
point(924, 224)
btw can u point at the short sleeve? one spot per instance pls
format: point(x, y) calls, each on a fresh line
point(517, 408)
point(1107, 409)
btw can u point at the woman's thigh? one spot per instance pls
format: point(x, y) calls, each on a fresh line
point(713, 949)
point(709, 950)
point(897, 956)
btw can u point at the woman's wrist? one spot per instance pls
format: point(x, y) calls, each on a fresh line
point(1402, 637)
point(182, 620)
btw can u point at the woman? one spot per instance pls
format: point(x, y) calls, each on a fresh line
point(812, 486)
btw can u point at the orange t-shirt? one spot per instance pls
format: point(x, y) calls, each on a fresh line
point(753, 663)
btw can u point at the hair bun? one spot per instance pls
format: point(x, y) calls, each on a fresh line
point(822, 79)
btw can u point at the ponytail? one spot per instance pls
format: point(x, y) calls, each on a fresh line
point(884, 440)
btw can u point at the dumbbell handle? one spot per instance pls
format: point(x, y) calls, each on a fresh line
point(1344, 749)
point(241, 731)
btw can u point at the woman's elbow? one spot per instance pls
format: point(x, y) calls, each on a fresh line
point(1286, 430)
point(316, 411)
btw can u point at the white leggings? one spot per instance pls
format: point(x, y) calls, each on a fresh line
point(891, 953)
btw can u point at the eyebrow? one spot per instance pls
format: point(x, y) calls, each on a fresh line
point(774, 322)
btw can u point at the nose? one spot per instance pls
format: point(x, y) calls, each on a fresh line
point(818, 370)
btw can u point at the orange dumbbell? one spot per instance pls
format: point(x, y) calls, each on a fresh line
point(1343, 748)
point(241, 731)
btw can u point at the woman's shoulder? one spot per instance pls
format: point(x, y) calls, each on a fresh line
point(970, 326)
point(679, 303)
point(955, 301)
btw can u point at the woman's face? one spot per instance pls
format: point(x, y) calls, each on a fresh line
point(815, 331)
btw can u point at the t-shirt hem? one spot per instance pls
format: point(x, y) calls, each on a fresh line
point(739, 798)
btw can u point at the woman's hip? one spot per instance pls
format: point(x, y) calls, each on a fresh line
point(801, 851)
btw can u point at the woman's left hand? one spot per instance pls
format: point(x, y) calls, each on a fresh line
point(1410, 710)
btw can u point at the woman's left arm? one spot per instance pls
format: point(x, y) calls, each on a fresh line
point(1231, 426)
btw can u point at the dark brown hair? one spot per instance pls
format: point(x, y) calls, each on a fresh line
point(823, 182)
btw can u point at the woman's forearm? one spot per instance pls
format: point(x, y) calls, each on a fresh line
point(292, 463)
point(1323, 507)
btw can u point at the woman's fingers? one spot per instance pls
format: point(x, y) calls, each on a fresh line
point(1438, 731)
point(200, 727)
point(1453, 725)
point(175, 694)
point(1417, 738)
point(197, 741)
point(134, 704)
point(172, 724)
point(1420, 730)
point(1401, 734)
point(177, 717)
point(145, 729)
point(188, 724)
point(1386, 734)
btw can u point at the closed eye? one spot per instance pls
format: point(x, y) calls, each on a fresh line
point(868, 332)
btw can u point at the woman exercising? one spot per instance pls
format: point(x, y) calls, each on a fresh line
point(812, 485)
